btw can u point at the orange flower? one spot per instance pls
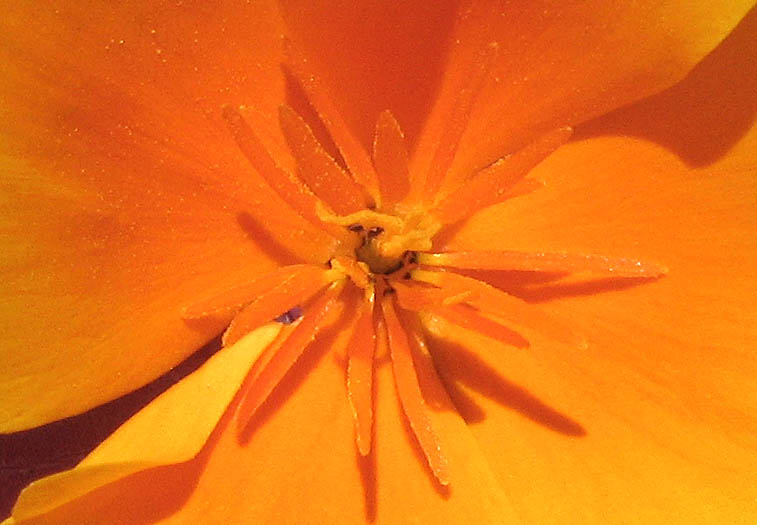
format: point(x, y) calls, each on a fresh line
point(167, 179)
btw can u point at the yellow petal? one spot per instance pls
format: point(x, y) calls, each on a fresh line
point(302, 443)
point(171, 429)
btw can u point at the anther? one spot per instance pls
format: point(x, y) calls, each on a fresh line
point(375, 231)
point(290, 316)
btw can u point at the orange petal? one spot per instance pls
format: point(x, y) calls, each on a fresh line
point(409, 393)
point(287, 231)
point(321, 173)
point(171, 429)
point(665, 389)
point(280, 363)
point(353, 153)
point(390, 159)
point(296, 289)
point(234, 298)
point(544, 262)
point(386, 64)
point(563, 63)
point(361, 350)
point(122, 190)
point(496, 183)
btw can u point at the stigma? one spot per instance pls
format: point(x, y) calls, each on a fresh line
point(385, 239)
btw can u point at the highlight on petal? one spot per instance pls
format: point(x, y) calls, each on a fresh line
point(310, 414)
point(171, 429)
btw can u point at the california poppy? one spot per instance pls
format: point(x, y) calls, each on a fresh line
point(168, 179)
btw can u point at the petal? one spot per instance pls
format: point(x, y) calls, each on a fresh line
point(564, 63)
point(389, 54)
point(171, 429)
point(123, 197)
point(665, 389)
point(302, 444)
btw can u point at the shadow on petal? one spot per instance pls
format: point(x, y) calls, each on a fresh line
point(702, 117)
point(459, 366)
point(562, 290)
point(32, 454)
point(264, 240)
point(134, 499)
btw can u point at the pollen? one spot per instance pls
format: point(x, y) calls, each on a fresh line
point(365, 227)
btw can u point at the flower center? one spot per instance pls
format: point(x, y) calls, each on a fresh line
point(386, 239)
point(373, 222)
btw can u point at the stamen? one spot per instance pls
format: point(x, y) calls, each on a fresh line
point(523, 187)
point(458, 120)
point(352, 151)
point(431, 300)
point(319, 171)
point(494, 301)
point(290, 351)
point(238, 296)
point(287, 186)
point(544, 262)
point(267, 306)
point(362, 347)
point(290, 316)
point(262, 362)
point(367, 219)
point(493, 184)
point(357, 271)
point(409, 392)
point(390, 159)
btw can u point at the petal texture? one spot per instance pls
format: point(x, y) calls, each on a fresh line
point(124, 196)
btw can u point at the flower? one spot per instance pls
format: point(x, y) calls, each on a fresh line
point(148, 101)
